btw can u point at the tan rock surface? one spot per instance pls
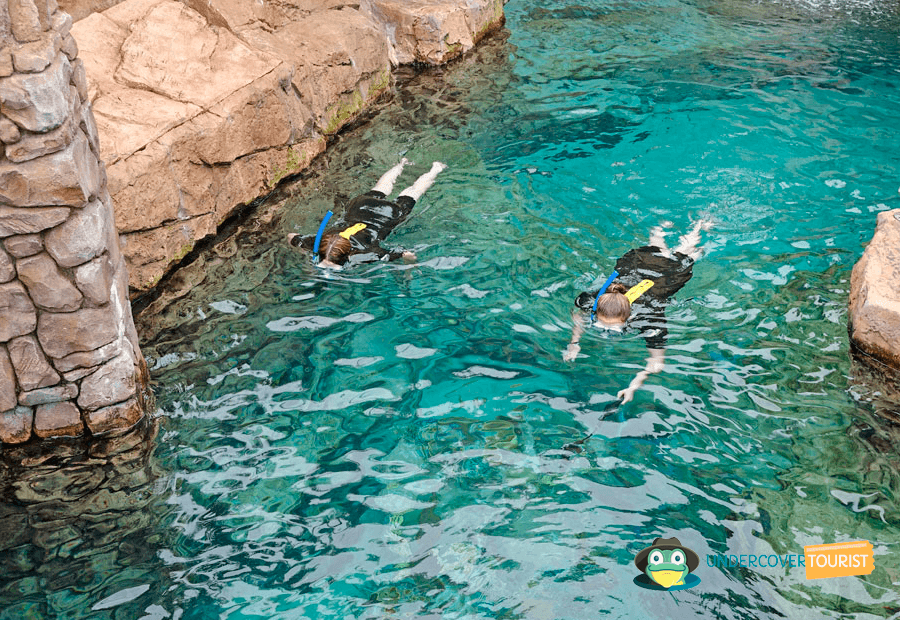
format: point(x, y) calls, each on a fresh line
point(65, 178)
point(94, 279)
point(32, 369)
point(80, 9)
point(15, 425)
point(25, 221)
point(875, 293)
point(82, 237)
point(58, 236)
point(44, 396)
point(435, 31)
point(18, 315)
point(21, 246)
point(112, 383)
point(62, 334)
point(115, 418)
point(57, 420)
point(48, 287)
point(173, 52)
point(7, 268)
point(37, 101)
point(7, 382)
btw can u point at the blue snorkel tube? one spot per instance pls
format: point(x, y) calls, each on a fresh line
point(322, 226)
point(609, 280)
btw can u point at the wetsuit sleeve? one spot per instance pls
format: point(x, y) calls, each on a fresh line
point(374, 253)
point(305, 242)
point(653, 329)
point(586, 299)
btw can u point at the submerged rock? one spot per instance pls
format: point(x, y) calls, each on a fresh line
point(875, 294)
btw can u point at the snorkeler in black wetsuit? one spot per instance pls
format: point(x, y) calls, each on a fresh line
point(368, 220)
point(654, 273)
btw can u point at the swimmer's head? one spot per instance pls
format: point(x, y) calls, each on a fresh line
point(613, 308)
point(334, 251)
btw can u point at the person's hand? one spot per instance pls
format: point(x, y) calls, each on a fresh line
point(409, 257)
point(439, 166)
point(571, 352)
point(405, 161)
point(627, 394)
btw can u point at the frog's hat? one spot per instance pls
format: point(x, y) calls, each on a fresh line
point(666, 544)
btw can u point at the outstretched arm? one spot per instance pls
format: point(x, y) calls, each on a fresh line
point(572, 350)
point(298, 241)
point(655, 363)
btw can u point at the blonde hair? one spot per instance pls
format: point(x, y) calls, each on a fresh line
point(613, 306)
point(335, 248)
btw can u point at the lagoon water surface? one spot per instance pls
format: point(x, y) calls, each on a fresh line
point(405, 441)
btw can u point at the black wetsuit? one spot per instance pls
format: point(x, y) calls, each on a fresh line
point(380, 215)
point(669, 275)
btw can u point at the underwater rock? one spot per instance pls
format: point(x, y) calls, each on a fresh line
point(875, 293)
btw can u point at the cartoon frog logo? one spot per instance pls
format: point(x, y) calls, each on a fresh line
point(666, 565)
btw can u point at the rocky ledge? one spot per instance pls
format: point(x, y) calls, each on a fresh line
point(875, 294)
point(205, 105)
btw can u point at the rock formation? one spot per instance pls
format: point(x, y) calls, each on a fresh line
point(205, 105)
point(875, 294)
point(69, 357)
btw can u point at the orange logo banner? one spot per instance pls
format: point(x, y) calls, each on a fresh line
point(839, 559)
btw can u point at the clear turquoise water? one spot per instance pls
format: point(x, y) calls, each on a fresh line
point(388, 441)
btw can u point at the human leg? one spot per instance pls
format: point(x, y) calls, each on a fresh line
point(385, 184)
point(688, 243)
point(658, 238)
point(425, 181)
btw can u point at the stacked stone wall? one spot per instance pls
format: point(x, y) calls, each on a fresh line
point(69, 358)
